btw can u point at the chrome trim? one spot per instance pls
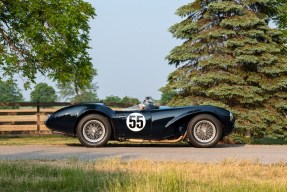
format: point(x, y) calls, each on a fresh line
point(204, 131)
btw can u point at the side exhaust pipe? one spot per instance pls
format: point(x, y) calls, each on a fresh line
point(181, 138)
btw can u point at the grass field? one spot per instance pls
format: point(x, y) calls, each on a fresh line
point(38, 140)
point(114, 175)
point(269, 141)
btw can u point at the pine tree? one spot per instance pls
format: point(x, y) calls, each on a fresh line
point(231, 58)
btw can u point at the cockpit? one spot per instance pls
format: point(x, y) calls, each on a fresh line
point(147, 104)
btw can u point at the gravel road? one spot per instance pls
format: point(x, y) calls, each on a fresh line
point(259, 153)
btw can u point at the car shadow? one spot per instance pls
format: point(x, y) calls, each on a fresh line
point(163, 145)
point(110, 145)
point(148, 145)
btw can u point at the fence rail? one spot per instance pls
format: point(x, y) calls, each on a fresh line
point(34, 104)
point(25, 113)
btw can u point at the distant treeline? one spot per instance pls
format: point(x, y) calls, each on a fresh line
point(115, 101)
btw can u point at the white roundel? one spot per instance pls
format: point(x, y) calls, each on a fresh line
point(136, 122)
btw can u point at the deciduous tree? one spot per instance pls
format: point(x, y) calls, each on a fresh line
point(10, 93)
point(116, 101)
point(49, 37)
point(43, 93)
point(88, 94)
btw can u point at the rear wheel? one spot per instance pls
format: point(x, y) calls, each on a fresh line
point(94, 130)
point(204, 131)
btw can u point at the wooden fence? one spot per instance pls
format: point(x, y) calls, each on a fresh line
point(26, 120)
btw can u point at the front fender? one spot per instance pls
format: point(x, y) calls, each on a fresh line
point(221, 114)
point(180, 117)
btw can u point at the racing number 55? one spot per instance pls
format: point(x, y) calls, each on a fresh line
point(136, 122)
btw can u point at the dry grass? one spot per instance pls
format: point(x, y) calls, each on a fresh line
point(228, 172)
point(115, 175)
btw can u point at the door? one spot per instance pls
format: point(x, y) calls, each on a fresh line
point(134, 124)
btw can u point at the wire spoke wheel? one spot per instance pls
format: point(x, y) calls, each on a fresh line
point(94, 131)
point(204, 131)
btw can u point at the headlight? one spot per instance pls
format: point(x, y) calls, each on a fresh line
point(231, 116)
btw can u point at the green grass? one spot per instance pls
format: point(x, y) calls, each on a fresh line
point(38, 140)
point(269, 141)
point(114, 175)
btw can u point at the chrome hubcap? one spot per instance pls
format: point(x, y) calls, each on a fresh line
point(94, 131)
point(204, 131)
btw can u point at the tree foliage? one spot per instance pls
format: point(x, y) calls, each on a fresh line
point(231, 58)
point(116, 101)
point(85, 97)
point(10, 93)
point(167, 96)
point(48, 37)
point(43, 93)
point(88, 94)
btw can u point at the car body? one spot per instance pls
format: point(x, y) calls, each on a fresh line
point(95, 124)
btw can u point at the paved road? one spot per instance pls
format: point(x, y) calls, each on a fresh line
point(263, 154)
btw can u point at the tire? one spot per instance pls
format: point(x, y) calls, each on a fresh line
point(94, 130)
point(204, 131)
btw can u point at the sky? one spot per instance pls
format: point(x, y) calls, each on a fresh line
point(129, 43)
point(130, 40)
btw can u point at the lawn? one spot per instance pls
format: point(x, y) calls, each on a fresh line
point(118, 176)
point(269, 141)
point(38, 140)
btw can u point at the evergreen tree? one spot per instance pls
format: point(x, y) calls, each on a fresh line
point(166, 96)
point(231, 58)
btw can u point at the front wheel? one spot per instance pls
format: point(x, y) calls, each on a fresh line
point(204, 131)
point(93, 130)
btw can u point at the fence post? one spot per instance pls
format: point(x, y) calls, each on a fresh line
point(38, 118)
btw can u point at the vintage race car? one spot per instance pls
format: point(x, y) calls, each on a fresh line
point(95, 124)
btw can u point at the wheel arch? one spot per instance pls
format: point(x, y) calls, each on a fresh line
point(185, 118)
point(89, 112)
